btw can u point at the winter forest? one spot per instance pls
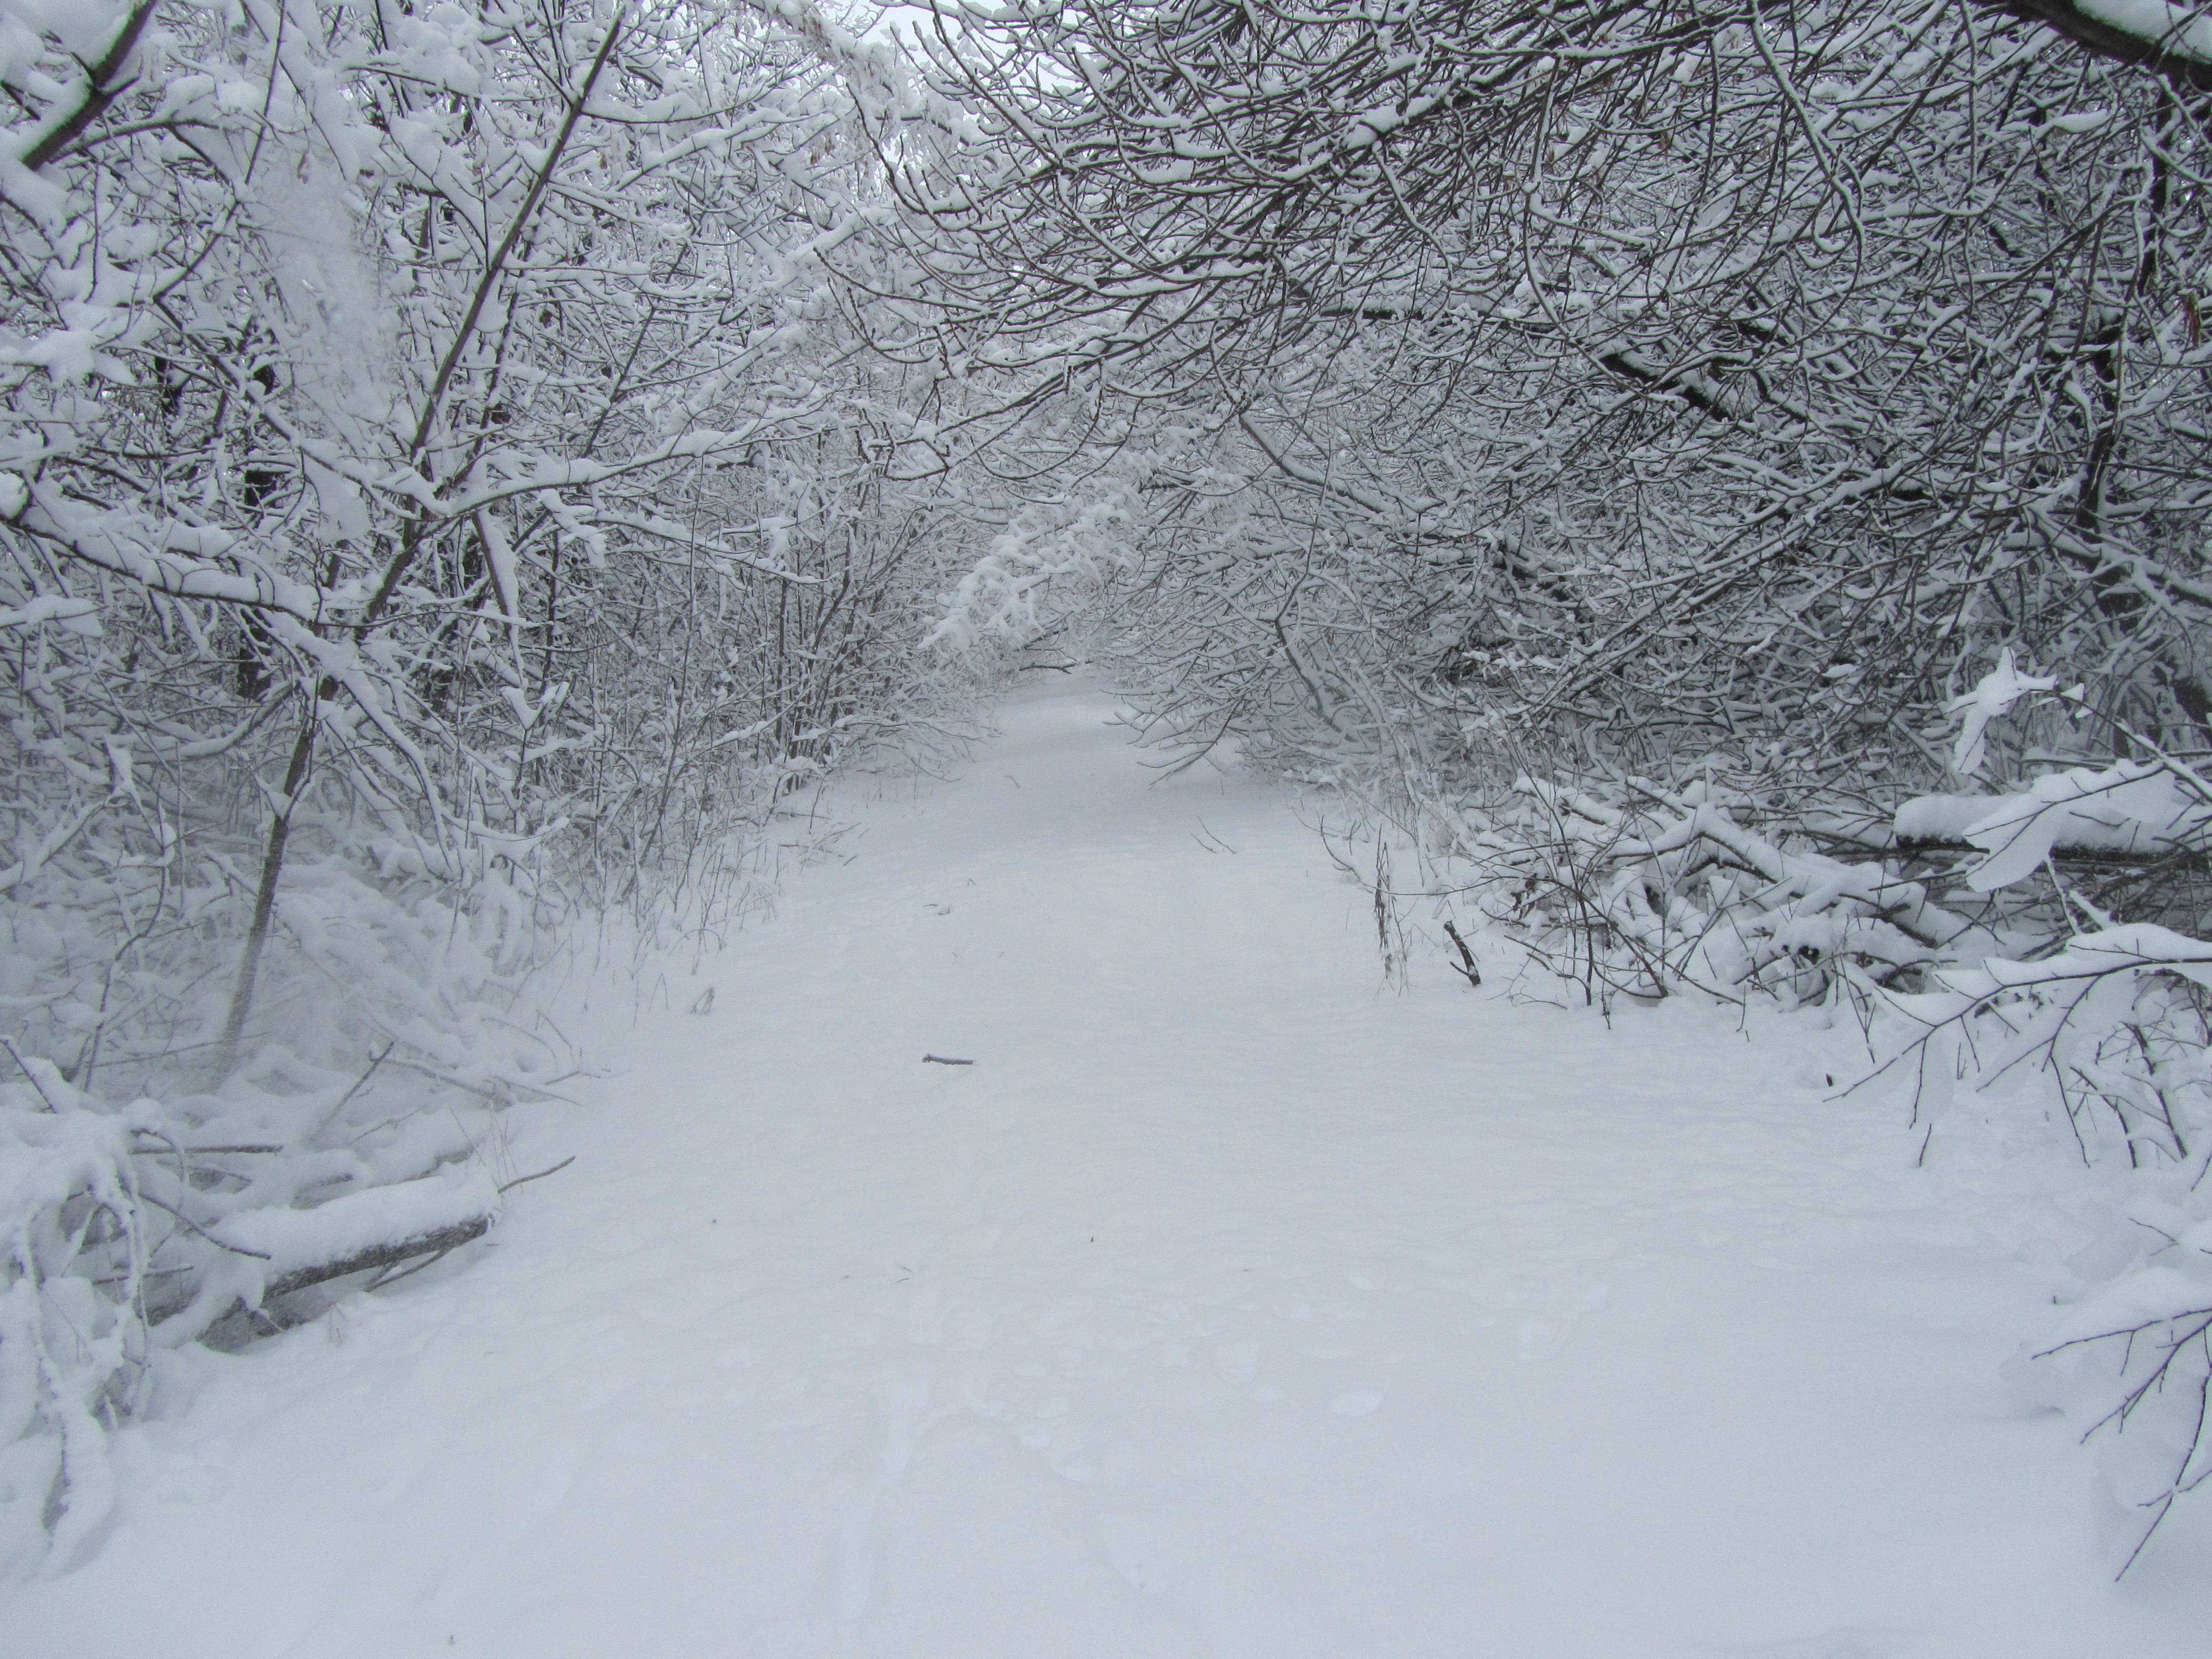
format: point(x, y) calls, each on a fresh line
point(1666, 550)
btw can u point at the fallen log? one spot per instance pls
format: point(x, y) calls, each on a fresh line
point(438, 1241)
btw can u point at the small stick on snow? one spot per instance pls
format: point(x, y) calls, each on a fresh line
point(1473, 973)
point(939, 1060)
point(541, 1175)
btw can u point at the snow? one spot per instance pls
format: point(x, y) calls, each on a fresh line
point(1942, 818)
point(1227, 1305)
point(2132, 807)
point(1993, 697)
point(2181, 29)
point(78, 616)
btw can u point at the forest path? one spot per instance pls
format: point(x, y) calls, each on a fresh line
point(1226, 1306)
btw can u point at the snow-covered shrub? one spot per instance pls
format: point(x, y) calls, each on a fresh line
point(2131, 1362)
point(2115, 1029)
point(73, 1344)
point(2036, 940)
point(2111, 1024)
point(1986, 941)
point(145, 1203)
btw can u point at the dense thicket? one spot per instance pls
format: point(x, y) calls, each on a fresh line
point(443, 495)
point(1650, 378)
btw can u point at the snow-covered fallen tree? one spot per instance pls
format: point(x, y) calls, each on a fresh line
point(1639, 891)
point(126, 1234)
point(145, 1204)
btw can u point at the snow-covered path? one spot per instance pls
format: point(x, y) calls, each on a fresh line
point(1226, 1306)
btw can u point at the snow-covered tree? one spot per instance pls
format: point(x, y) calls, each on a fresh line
point(1689, 376)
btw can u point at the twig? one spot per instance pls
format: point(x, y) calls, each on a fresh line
point(24, 1066)
point(1473, 973)
point(362, 1082)
point(1207, 836)
point(939, 1060)
point(541, 1175)
point(492, 1095)
point(246, 1146)
point(358, 1084)
point(235, 1249)
point(388, 1277)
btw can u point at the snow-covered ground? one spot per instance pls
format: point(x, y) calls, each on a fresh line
point(1227, 1305)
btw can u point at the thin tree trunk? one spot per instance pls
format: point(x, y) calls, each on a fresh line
point(265, 901)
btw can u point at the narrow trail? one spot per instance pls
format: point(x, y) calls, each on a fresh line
point(1227, 1305)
